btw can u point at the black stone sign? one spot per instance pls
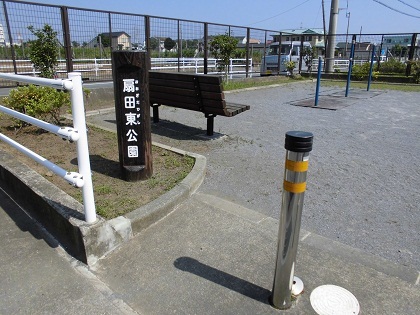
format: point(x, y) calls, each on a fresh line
point(132, 111)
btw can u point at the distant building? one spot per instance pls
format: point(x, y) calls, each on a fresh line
point(2, 38)
point(404, 41)
point(315, 36)
point(119, 40)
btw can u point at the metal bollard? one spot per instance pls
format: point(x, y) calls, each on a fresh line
point(298, 145)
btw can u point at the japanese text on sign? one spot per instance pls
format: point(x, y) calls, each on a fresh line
point(132, 114)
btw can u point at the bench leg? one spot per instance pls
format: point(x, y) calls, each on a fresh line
point(210, 124)
point(155, 113)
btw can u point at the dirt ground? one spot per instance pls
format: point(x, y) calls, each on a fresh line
point(113, 196)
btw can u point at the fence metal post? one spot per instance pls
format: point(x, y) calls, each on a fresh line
point(318, 80)
point(83, 160)
point(353, 44)
point(372, 60)
point(298, 145)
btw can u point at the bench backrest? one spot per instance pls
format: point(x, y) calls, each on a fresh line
point(197, 92)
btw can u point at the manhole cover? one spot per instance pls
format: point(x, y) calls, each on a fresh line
point(331, 299)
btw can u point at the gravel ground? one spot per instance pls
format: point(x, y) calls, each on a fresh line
point(364, 171)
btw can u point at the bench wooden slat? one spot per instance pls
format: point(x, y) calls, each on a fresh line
point(185, 85)
point(177, 76)
point(156, 90)
point(195, 92)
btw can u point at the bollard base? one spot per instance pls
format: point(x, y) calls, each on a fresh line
point(282, 308)
point(297, 289)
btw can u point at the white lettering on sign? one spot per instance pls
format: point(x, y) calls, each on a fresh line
point(132, 135)
point(132, 117)
point(133, 151)
point(129, 102)
point(128, 85)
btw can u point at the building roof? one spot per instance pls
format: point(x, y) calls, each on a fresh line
point(304, 31)
point(114, 34)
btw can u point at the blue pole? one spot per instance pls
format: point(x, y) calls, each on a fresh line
point(318, 80)
point(371, 66)
point(350, 64)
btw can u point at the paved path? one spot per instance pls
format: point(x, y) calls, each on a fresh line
point(364, 170)
point(216, 253)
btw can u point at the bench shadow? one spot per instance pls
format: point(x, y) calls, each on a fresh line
point(224, 279)
point(177, 131)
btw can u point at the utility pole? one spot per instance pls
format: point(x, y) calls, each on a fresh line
point(329, 58)
point(325, 29)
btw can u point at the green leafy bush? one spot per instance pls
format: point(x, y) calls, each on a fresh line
point(41, 102)
point(361, 72)
point(415, 70)
point(290, 66)
point(392, 66)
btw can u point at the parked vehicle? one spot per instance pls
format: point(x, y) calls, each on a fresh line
point(289, 51)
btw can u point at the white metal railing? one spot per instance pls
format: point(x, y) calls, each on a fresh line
point(339, 64)
point(78, 134)
point(96, 66)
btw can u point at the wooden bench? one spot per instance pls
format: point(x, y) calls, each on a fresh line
point(197, 92)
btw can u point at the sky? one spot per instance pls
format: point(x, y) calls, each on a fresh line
point(359, 16)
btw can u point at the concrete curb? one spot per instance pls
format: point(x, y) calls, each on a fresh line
point(63, 217)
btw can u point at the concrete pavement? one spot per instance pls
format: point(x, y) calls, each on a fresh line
point(209, 256)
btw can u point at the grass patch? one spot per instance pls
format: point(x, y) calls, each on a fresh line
point(253, 82)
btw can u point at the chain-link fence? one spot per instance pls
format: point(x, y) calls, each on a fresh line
point(88, 37)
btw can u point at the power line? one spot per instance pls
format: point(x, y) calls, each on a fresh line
point(409, 5)
point(281, 13)
point(393, 9)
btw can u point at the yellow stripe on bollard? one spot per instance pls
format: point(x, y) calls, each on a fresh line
point(295, 188)
point(297, 166)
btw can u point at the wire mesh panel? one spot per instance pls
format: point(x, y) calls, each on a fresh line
point(164, 44)
point(87, 37)
point(91, 44)
point(130, 30)
point(16, 37)
point(257, 48)
point(214, 30)
point(192, 47)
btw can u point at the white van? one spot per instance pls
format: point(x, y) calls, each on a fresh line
point(289, 51)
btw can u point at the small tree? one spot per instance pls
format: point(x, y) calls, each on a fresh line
point(154, 43)
point(309, 54)
point(222, 47)
point(43, 50)
point(415, 70)
point(169, 43)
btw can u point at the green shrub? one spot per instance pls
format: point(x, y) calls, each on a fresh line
point(361, 72)
point(392, 66)
point(41, 102)
point(415, 70)
point(290, 66)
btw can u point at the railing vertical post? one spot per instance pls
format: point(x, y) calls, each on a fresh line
point(83, 160)
point(298, 145)
point(248, 38)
